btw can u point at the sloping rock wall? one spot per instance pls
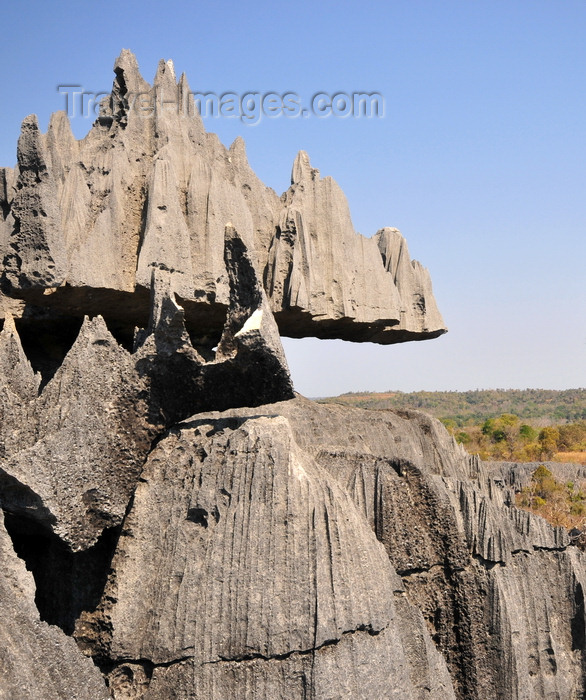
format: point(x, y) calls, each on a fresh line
point(175, 521)
point(37, 660)
point(291, 550)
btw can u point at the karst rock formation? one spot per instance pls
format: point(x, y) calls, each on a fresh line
point(178, 523)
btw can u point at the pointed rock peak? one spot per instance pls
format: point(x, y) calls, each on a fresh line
point(171, 67)
point(183, 86)
point(60, 125)
point(94, 346)
point(238, 149)
point(127, 63)
point(30, 123)
point(93, 334)
point(189, 108)
point(60, 135)
point(165, 75)
point(302, 170)
point(392, 246)
point(167, 318)
point(30, 151)
point(94, 331)
point(128, 79)
point(16, 371)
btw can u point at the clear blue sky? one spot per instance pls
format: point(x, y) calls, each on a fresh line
point(480, 159)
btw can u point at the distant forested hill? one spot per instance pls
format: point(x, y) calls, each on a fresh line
point(466, 407)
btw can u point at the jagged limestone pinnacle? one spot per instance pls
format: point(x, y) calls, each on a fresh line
point(159, 194)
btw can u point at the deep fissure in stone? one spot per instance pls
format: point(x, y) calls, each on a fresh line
point(67, 582)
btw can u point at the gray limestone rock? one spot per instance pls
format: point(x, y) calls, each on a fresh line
point(318, 268)
point(166, 359)
point(82, 445)
point(248, 368)
point(263, 579)
point(35, 255)
point(37, 660)
point(148, 189)
point(469, 560)
point(16, 374)
point(173, 511)
point(79, 445)
point(247, 563)
point(419, 312)
point(19, 386)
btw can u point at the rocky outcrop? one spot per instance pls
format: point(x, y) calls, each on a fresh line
point(500, 590)
point(262, 577)
point(84, 224)
point(37, 660)
point(80, 444)
point(254, 552)
point(318, 266)
point(175, 521)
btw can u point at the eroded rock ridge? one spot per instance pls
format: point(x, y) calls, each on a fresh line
point(175, 522)
point(83, 225)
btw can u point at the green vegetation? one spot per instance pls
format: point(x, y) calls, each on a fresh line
point(561, 504)
point(547, 406)
point(505, 437)
point(523, 426)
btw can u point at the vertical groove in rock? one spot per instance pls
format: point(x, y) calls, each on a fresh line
point(199, 530)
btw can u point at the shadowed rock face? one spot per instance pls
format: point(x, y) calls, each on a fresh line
point(83, 225)
point(83, 439)
point(36, 659)
point(256, 552)
point(175, 522)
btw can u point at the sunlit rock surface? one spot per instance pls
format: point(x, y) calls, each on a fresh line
point(175, 521)
point(83, 225)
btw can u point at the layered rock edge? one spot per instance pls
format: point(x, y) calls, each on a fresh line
point(175, 521)
point(84, 224)
point(287, 550)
